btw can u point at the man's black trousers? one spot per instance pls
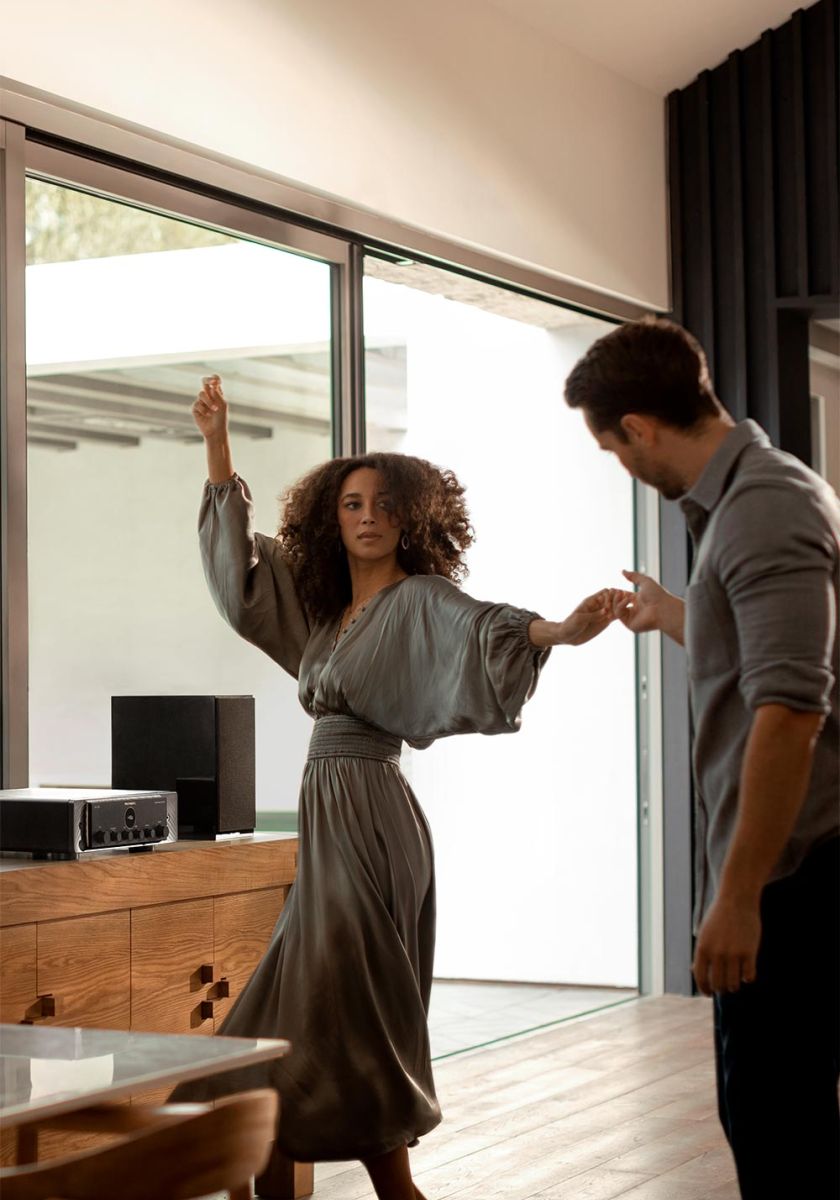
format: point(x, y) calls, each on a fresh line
point(777, 1042)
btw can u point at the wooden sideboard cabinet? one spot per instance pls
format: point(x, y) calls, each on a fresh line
point(158, 941)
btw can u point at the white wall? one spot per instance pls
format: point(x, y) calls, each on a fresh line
point(535, 834)
point(454, 117)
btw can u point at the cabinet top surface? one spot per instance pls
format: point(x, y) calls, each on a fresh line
point(25, 862)
point(46, 1070)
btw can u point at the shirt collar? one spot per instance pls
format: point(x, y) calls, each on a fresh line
point(709, 488)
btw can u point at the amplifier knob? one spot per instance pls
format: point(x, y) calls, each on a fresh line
point(160, 831)
point(113, 835)
point(124, 835)
point(99, 836)
point(147, 831)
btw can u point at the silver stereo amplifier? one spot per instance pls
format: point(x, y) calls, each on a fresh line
point(70, 822)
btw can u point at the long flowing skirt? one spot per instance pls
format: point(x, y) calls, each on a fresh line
point(347, 975)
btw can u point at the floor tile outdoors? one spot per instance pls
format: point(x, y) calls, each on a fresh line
point(468, 1013)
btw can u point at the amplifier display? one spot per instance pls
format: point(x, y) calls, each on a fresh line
point(68, 822)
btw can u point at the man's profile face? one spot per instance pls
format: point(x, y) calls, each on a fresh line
point(640, 459)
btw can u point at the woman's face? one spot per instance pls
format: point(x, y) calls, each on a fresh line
point(370, 529)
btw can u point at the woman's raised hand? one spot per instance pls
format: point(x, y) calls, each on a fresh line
point(210, 411)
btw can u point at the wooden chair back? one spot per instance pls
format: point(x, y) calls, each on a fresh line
point(183, 1155)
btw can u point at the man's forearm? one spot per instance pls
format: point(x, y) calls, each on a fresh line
point(775, 772)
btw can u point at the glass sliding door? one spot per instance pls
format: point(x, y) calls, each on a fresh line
point(126, 311)
point(535, 834)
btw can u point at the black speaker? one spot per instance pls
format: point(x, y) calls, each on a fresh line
point(201, 747)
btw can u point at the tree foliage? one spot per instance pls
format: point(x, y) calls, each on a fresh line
point(63, 225)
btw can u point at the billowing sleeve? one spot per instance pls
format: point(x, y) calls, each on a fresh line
point(451, 664)
point(249, 580)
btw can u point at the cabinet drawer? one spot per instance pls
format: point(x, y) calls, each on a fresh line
point(242, 926)
point(83, 963)
point(18, 977)
point(170, 943)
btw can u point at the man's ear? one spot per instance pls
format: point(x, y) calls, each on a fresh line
point(639, 429)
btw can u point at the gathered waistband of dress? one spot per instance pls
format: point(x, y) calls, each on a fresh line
point(341, 736)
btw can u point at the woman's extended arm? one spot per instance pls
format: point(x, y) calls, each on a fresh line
point(210, 413)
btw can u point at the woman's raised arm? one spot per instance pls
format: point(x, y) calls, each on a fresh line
point(210, 413)
point(249, 579)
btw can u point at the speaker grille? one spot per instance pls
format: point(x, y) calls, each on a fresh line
point(235, 763)
point(155, 740)
point(201, 747)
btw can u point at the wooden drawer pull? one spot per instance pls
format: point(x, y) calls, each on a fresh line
point(47, 1003)
point(206, 972)
point(222, 989)
point(206, 1010)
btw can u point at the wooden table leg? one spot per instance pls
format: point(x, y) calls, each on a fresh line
point(284, 1179)
point(27, 1144)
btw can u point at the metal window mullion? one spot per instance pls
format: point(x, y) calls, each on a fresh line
point(14, 615)
point(348, 355)
point(651, 921)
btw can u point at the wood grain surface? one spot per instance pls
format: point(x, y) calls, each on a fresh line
point(84, 962)
point(242, 927)
point(18, 978)
point(618, 1104)
point(31, 891)
point(169, 945)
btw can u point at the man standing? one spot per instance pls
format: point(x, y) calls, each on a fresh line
point(760, 626)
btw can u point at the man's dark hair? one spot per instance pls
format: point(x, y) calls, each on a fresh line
point(652, 367)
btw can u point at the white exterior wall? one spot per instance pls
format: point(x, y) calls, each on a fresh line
point(456, 118)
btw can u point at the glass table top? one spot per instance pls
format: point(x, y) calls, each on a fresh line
point(47, 1069)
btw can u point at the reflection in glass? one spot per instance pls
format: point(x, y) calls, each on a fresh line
point(126, 310)
point(536, 834)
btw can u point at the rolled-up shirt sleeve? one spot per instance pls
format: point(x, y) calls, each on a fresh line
point(777, 560)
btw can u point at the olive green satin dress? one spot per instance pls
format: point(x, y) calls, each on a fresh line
point(348, 972)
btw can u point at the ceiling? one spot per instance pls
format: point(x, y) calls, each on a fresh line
point(275, 392)
point(659, 46)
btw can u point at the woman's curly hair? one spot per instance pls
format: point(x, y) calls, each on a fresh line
point(431, 509)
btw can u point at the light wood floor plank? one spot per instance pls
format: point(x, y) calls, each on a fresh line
point(618, 1104)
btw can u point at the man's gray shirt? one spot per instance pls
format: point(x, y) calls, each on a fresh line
point(761, 627)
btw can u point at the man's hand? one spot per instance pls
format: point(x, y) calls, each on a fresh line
point(727, 946)
point(649, 608)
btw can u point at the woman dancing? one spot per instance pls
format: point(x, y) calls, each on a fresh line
point(357, 598)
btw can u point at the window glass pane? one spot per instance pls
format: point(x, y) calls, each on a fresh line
point(535, 834)
point(126, 310)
